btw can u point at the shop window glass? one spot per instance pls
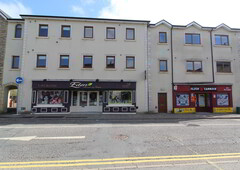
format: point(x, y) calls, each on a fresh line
point(50, 97)
point(34, 97)
point(182, 99)
point(120, 97)
point(222, 100)
point(93, 99)
point(83, 99)
point(65, 96)
point(100, 98)
point(75, 98)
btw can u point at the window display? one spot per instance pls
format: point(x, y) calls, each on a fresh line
point(182, 99)
point(50, 96)
point(120, 97)
point(222, 100)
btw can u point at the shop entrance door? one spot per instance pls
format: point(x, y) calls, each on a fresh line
point(204, 102)
point(162, 102)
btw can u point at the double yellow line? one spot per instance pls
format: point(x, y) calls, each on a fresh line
point(112, 161)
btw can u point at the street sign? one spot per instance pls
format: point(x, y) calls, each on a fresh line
point(19, 80)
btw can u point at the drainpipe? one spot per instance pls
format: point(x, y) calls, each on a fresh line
point(213, 76)
point(172, 64)
point(147, 69)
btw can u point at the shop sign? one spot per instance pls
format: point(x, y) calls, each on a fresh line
point(77, 85)
point(203, 88)
point(222, 109)
point(184, 110)
point(227, 89)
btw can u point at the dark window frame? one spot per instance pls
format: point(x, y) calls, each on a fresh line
point(40, 29)
point(166, 62)
point(223, 63)
point(165, 33)
point(222, 35)
point(60, 64)
point(39, 55)
point(133, 33)
point(13, 62)
point(133, 57)
point(114, 62)
point(194, 66)
point(85, 31)
point(84, 66)
point(192, 38)
point(62, 31)
point(18, 29)
point(114, 33)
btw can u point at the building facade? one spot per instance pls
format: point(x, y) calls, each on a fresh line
point(72, 64)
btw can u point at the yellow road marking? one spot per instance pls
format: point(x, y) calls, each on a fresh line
point(118, 162)
point(116, 159)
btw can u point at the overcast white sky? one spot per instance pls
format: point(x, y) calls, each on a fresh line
point(181, 12)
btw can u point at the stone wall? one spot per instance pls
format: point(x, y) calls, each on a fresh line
point(3, 37)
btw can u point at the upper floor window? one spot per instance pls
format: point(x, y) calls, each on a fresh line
point(66, 31)
point(110, 33)
point(130, 62)
point(223, 66)
point(110, 62)
point(43, 31)
point(162, 37)
point(18, 31)
point(194, 66)
point(163, 65)
point(64, 61)
point(130, 34)
point(192, 38)
point(87, 61)
point(41, 61)
point(15, 62)
point(221, 40)
point(88, 32)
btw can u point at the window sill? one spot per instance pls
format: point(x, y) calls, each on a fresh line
point(130, 40)
point(109, 39)
point(222, 46)
point(130, 69)
point(194, 45)
point(17, 38)
point(110, 69)
point(224, 73)
point(42, 37)
point(63, 68)
point(89, 69)
point(89, 39)
point(162, 43)
point(65, 38)
point(194, 72)
point(40, 68)
point(163, 72)
point(14, 69)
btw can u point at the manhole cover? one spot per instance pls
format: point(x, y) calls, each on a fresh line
point(121, 137)
point(193, 125)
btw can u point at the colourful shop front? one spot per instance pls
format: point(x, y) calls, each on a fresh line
point(202, 98)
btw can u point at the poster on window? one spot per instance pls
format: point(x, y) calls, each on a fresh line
point(182, 99)
point(222, 100)
point(50, 97)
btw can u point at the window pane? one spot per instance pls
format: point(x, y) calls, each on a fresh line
point(87, 61)
point(75, 98)
point(182, 99)
point(110, 62)
point(219, 67)
point(64, 61)
point(196, 38)
point(163, 65)
point(217, 39)
point(92, 98)
point(66, 31)
point(83, 98)
point(227, 67)
point(43, 30)
point(130, 34)
point(188, 38)
point(130, 62)
point(189, 66)
point(88, 32)
point(111, 33)
point(15, 62)
point(222, 100)
point(197, 66)
point(50, 96)
point(18, 31)
point(117, 97)
point(41, 61)
point(225, 40)
point(162, 37)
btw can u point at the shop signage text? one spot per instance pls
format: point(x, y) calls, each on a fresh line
point(203, 88)
point(80, 85)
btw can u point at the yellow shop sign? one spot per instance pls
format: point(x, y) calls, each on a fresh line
point(184, 110)
point(222, 109)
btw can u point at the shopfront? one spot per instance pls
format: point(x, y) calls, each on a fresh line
point(83, 96)
point(202, 98)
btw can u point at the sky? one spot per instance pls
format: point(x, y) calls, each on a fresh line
point(177, 12)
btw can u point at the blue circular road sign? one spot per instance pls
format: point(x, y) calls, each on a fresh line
point(19, 80)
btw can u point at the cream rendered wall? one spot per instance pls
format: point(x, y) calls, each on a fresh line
point(76, 47)
point(159, 82)
point(13, 48)
point(183, 52)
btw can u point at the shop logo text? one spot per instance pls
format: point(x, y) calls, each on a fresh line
point(80, 85)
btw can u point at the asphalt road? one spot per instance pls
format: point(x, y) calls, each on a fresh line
point(101, 144)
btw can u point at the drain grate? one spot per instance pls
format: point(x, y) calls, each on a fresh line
point(121, 137)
